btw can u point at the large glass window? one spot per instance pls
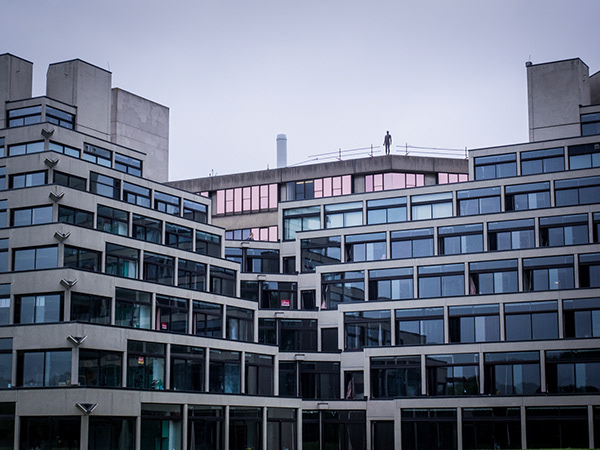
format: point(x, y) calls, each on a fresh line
point(491, 428)
point(342, 287)
point(493, 277)
point(548, 273)
point(90, 308)
point(127, 164)
point(146, 229)
point(542, 161)
point(320, 251)
point(178, 236)
point(527, 196)
point(167, 203)
point(31, 216)
point(474, 323)
point(387, 210)
point(259, 374)
point(300, 219)
point(159, 268)
point(207, 319)
point(531, 320)
point(260, 260)
point(459, 239)
point(584, 156)
point(65, 149)
point(343, 215)
point(417, 326)
point(456, 374)
point(121, 261)
point(197, 212)
point(205, 426)
point(112, 220)
point(557, 427)
point(582, 317)
point(191, 275)
point(512, 373)
point(71, 181)
point(97, 155)
point(187, 368)
point(366, 247)
point(224, 372)
point(132, 308)
point(319, 380)
point(367, 329)
point(99, 368)
point(75, 216)
point(105, 186)
point(281, 428)
point(431, 206)
point(145, 365)
point(245, 428)
point(446, 280)
point(277, 295)
point(39, 308)
point(573, 371)
point(222, 281)
point(393, 377)
point(511, 235)
point(577, 191)
point(24, 116)
point(563, 230)
point(478, 201)
point(111, 432)
point(60, 118)
point(497, 166)
point(35, 258)
point(590, 124)
point(431, 429)
point(391, 284)
point(240, 324)
point(247, 199)
point(208, 244)
point(50, 432)
point(412, 243)
point(297, 335)
point(136, 195)
point(171, 314)
point(44, 368)
point(30, 179)
point(393, 180)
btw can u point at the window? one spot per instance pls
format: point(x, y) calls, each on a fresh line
point(127, 164)
point(99, 368)
point(342, 287)
point(577, 191)
point(412, 243)
point(35, 258)
point(445, 178)
point(222, 281)
point(552, 272)
point(2, 149)
point(431, 206)
point(389, 210)
point(44, 368)
point(542, 161)
point(247, 199)
point(590, 124)
point(596, 225)
point(159, 268)
point(167, 203)
point(300, 219)
point(145, 365)
point(132, 308)
point(343, 215)
point(208, 244)
point(75, 216)
point(320, 187)
point(478, 201)
point(105, 186)
point(5, 371)
point(420, 326)
point(300, 190)
point(259, 374)
point(474, 323)
point(187, 368)
point(24, 116)
point(393, 180)
point(393, 377)
point(268, 234)
point(224, 372)
point(522, 197)
point(2, 178)
point(171, 314)
point(64, 149)
point(122, 261)
point(512, 373)
point(97, 155)
point(146, 229)
point(178, 236)
point(3, 207)
point(391, 284)
point(191, 275)
point(4, 306)
point(112, 220)
point(240, 324)
point(195, 211)
point(60, 118)
point(329, 340)
point(30, 216)
point(365, 247)
point(493, 277)
point(245, 428)
point(39, 308)
point(563, 230)
point(511, 235)
point(531, 321)
point(459, 239)
point(282, 428)
point(456, 374)
point(446, 280)
point(497, 166)
point(582, 317)
point(297, 335)
point(30, 179)
point(71, 181)
point(584, 156)
point(82, 258)
point(207, 319)
point(27, 148)
point(491, 427)
point(111, 432)
point(382, 434)
point(50, 432)
point(258, 260)
point(589, 270)
point(573, 371)
point(320, 251)
point(207, 421)
point(557, 427)
point(319, 380)
point(90, 308)
point(4, 255)
point(277, 295)
point(136, 195)
point(367, 329)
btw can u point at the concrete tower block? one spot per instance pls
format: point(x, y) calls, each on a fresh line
point(16, 81)
point(87, 87)
point(142, 125)
point(555, 91)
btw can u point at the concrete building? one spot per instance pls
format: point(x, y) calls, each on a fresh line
point(381, 302)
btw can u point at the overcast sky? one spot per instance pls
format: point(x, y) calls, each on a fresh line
point(329, 74)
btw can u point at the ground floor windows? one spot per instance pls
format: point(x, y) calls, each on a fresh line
point(111, 432)
point(491, 428)
point(557, 427)
point(334, 429)
point(50, 432)
point(393, 377)
point(429, 429)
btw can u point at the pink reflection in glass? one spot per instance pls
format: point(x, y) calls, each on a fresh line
point(347, 184)
point(420, 179)
point(264, 234)
point(246, 203)
point(410, 180)
point(327, 187)
point(255, 198)
point(264, 196)
point(237, 200)
point(221, 201)
point(228, 200)
point(273, 233)
point(442, 178)
point(368, 183)
point(273, 196)
point(337, 185)
point(463, 177)
point(378, 182)
point(452, 178)
point(318, 186)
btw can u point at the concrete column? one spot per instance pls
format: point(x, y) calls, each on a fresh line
point(226, 437)
point(264, 428)
point(84, 432)
point(523, 427)
point(459, 434)
point(184, 431)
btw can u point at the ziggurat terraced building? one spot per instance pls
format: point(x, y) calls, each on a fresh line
point(382, 302)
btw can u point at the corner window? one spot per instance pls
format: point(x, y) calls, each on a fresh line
point(60, 118)
point(584, 156)
point(39, 308)
point(320, 251)
point(127, 164)
point(24, 116)
point(97, 155)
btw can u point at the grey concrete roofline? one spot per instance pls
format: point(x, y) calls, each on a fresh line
point(556, 62)
point(81, 60)
point(139, 96)
point(15, 56)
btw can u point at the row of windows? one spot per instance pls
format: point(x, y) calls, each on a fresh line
point(33, 114)
point(268, 234)
point(248, 199)
point(543, 161)
point(436, 429)
point(319, 188)
point(448, 280)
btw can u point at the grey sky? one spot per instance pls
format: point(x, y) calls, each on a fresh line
point(329, 74)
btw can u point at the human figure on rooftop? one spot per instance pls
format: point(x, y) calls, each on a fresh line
point(387, 142)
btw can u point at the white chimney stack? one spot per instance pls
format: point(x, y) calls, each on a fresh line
point(281, 150)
